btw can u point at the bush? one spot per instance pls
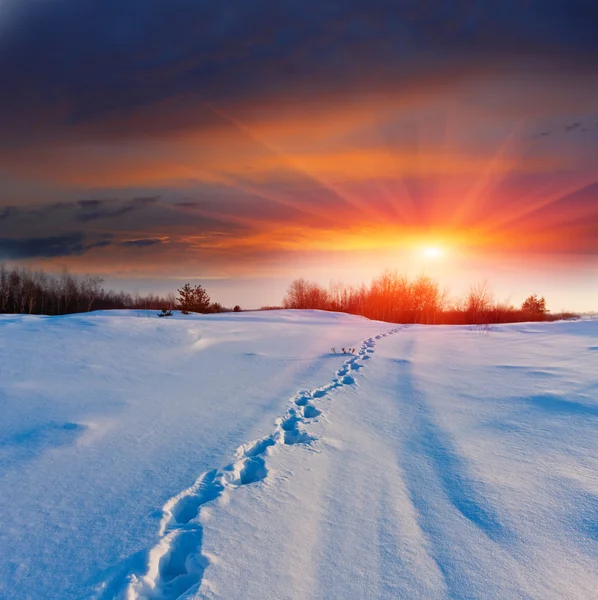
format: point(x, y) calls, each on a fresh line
point(562, 316)
point(216, 307)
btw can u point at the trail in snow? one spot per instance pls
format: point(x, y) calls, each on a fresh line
point(438, 478)
point(176, 564)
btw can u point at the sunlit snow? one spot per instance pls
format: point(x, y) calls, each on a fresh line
point(237, 456)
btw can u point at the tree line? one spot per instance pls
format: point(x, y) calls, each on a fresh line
point(395, 298)
point(37, 293)
point(391, 297)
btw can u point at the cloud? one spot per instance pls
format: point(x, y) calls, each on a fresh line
point(91, 203)
point(572, 126)
point(82, 210)
point(7, 212)
point(43, 247)
point(189, 204)
point(100, 244)
point(72, 243)
point(138, 222)
point(143, 242)
point(92, 210)
point(176, 60)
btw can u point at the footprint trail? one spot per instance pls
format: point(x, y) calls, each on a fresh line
point(176, 564)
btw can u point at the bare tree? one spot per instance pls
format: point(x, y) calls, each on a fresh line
point(90, 290)
point(26, 291)
point(4, 288)
point(479, 301)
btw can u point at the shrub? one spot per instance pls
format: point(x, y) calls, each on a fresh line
point(216, 307)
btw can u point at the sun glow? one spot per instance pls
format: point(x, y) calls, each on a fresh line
point(433, 252)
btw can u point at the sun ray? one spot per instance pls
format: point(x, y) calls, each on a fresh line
point(487, 180)
point(290, 162)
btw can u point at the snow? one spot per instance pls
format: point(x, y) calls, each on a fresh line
point(235, 456)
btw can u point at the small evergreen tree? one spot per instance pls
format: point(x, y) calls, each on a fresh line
point(193, 299)
point(534, 306)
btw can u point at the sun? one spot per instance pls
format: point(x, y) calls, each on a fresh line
point(433, 252)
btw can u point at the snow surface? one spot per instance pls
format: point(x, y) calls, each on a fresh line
point(236, 457)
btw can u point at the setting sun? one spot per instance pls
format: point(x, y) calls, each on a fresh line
point(433, 252)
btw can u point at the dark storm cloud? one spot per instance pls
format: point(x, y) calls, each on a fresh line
point(55, 246)
point(72, 65)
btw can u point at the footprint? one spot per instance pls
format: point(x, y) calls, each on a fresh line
point(290, 423)
point(297, 437)
point(254, 470)
point(187, 507)
point(260, 446)
point(182, 567)
point(292, 434)
point(311, 412)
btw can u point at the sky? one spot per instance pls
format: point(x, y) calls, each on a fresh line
point(243, 144)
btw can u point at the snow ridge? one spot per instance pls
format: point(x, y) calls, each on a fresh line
point(176, 564)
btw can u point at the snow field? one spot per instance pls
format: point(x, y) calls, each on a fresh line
point(435, 463)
